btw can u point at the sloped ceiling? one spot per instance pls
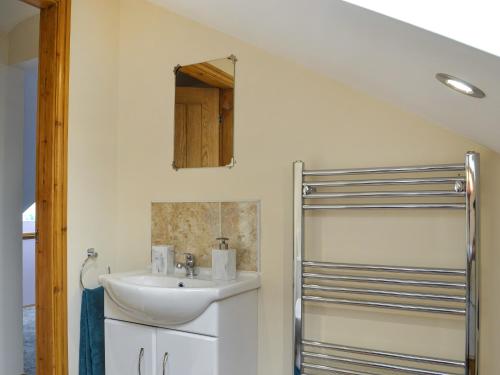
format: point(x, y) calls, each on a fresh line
point(12, 12)
point(474, 23)
point(370, 52)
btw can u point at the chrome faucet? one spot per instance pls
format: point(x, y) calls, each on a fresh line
point(188, 265)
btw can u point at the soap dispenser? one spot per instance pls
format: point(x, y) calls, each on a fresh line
point(223, 261)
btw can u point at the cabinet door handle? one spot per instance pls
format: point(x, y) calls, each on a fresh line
point(165, 360)
point(139, 362)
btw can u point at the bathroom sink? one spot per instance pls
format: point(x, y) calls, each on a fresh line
point(172, 299)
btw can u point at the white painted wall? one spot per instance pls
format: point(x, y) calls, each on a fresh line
point(121, 148)
point(11, 166)
point(29, 142)
point(29, 173)
point(23, 40)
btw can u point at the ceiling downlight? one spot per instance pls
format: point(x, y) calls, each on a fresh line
point(460, 85)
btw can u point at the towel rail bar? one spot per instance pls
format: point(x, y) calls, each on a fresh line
point(384, 268)
point(386, 181)
point(387, 305)
point(382, 353)
point(385, 293)
point(373, 364)
point(455, 206)
point(385, 194)
point(384, 170)
point(334, 370)
point(386, 280)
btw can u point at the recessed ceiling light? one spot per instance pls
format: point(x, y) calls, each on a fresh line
point(460, 85)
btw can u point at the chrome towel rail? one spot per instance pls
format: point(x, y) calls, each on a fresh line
point(450, 291)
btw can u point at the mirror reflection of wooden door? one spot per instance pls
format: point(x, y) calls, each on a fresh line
point(197, 127)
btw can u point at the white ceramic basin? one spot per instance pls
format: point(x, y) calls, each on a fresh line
point(172, 299)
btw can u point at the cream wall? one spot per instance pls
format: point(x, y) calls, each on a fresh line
point(490, 263)
point(91, 150)
point(121, 148)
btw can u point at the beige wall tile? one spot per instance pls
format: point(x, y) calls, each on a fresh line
point(190, 227)
point(193, 227)
point(239, 222)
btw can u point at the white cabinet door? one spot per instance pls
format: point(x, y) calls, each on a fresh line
point(130, 348)
point(181, 353)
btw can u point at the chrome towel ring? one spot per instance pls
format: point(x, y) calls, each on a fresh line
point(91, 254)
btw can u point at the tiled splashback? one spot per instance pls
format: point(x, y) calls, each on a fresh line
point(194, 227)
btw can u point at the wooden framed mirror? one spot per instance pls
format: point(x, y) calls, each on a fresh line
point(204, 114)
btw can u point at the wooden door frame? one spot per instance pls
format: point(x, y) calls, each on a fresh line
point(51, 187)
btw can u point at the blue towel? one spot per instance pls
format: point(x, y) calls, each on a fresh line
point(92, 332)
point(297, 371)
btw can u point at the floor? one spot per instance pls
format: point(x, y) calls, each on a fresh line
point(29, 340)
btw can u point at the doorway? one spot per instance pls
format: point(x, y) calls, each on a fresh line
point(30, 69)
point(49, 234)
point(18, 107)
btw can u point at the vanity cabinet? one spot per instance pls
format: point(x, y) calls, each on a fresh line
point(134, 349)
point(130, 348)
point(185, 353)
point(220, 341)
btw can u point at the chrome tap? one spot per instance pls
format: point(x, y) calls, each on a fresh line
point(188, 265)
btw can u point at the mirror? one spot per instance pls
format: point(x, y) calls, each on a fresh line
point(204, 114)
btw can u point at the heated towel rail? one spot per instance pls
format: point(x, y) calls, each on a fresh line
point(452, 291)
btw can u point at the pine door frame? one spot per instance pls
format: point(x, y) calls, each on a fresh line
point(51, 187)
